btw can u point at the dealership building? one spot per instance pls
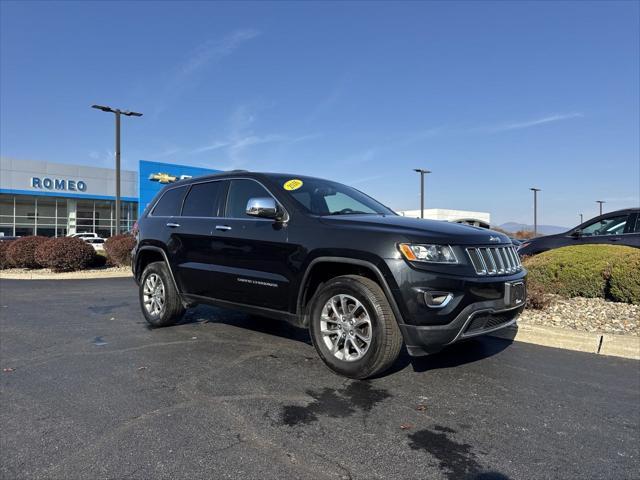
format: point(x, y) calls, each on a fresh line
point(56, 199)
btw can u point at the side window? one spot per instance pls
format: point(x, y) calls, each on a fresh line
point(637, 229)
point(240, 191)
point(606, 226)
point(203, 200)
point(170, 203)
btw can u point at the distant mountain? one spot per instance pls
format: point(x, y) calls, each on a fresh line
point(542, 229)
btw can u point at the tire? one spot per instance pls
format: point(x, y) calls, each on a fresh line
point(159, 300)
point(327, 315)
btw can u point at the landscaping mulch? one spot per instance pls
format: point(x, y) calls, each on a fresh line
point(48, 274)
point(586, 314)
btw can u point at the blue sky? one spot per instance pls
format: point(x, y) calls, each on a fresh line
point(493, 97)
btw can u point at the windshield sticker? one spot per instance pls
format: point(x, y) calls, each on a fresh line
point(293, 184)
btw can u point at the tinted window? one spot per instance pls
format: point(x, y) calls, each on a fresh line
point(170, 203)
point(240, 191)
point(322, 197)
point(637, 229)
point(606, 226)
point(203, 200)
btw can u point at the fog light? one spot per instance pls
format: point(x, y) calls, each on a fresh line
point(437, 299)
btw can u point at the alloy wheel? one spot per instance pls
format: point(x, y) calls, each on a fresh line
point(345, 326)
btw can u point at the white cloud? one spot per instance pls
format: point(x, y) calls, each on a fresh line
point(206, 54)
point(215, 49)
point(533, 123)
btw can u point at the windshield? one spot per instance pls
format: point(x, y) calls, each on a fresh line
point(322, 197)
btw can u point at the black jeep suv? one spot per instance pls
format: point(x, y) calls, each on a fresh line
point(325, 257)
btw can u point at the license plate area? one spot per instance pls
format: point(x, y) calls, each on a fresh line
point(515, 294)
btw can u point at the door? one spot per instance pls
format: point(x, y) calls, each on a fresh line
point(194, 238)
point(251, 258)
point(605, 230)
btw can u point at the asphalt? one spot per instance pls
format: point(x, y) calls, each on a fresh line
point(88, 392)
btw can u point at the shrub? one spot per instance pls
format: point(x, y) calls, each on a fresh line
point(4, 257)
point(536, 297)
point(624, 284)
point(66, 254)
point(119, 248)
point(21, 252)
point(596, 271)
point(43, 253)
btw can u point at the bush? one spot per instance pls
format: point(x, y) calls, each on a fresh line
point(21, 252)
point(536, 297)
point(119, 248)
point(596, 271)
point(624, 284)
point(4, 257)
point(66, 254)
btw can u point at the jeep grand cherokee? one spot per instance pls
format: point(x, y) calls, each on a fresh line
point(328, 258)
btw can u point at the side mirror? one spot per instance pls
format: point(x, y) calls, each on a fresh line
point(576, 233)
point(263, 207)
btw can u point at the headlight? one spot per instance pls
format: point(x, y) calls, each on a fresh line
point(428, 253)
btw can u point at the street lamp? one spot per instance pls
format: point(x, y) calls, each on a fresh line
point(535, 210)
point(422, 172)
point(600, 202)
point(117, 113)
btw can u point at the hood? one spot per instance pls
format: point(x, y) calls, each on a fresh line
point(419, 230)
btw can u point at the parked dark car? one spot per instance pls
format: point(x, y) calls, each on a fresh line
point(616, 228)
point(8, 238)
point(328, 258)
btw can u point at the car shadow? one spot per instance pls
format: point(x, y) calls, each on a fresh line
point(269, 326)
point(465, 352)
point(462, 353)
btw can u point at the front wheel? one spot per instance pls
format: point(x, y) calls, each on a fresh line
point(160, 302)
point(353, 327)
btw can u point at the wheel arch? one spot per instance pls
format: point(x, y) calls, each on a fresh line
point(344, 265)
point(148, 254)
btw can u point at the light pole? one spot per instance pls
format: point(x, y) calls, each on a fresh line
point(422, 173)
point(117, 113)
point(535, 210)
point(600, 202)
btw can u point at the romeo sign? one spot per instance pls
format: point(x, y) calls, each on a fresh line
point(46, 183)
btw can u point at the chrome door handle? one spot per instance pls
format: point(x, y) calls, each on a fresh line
point(173, 225)
point(223, 228)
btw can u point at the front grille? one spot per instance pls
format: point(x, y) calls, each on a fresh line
point(495, 260)
point(488, 322)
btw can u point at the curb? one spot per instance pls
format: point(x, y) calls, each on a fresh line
point(65, 276)
point(625, 346)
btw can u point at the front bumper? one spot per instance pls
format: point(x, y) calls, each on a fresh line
point(477, 305)
point(476, 319)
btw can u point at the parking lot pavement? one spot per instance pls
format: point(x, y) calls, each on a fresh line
point(88, 391)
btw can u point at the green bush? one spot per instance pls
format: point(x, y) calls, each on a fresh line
point(21, 252)
point(119, 248)
point(595, 271)
point(624, 284)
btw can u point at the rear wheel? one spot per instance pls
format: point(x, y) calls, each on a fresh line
point(160, 302)
point(353, 327)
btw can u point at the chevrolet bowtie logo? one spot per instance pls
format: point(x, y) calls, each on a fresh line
point(162, 178)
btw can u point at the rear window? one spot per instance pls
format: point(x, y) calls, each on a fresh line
point(203, 200)
point(170, 203)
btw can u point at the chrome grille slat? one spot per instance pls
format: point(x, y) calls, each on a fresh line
point(494, 261)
